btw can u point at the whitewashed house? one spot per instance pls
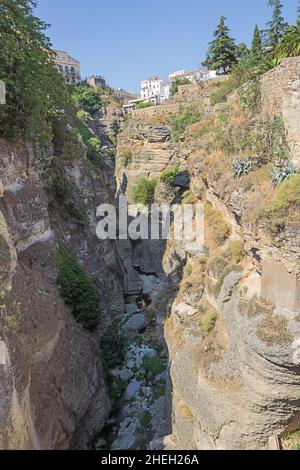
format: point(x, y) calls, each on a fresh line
point(155, 90)
point(193, 76)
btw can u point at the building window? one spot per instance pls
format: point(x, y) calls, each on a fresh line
point(66, 69)
point(60, 68)
point(72, 70)
point(73, 79)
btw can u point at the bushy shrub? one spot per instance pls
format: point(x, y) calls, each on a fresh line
point(236, 249)
point(144, 191)
point(72, 149)
point(113, 347)
point(194, 276)
point(144, 105)
point(153, 366)
point(287, 193)
point(278, 147)
point(208, 321)
point(126, 158)
point(180, 122)
point(91, 142)
point(82, 116)
point(189, 197)
point(77, 289)
point(242, 72)
point(169, 175)
point(217, 229)
point(60, 185)
point(250, 95)
point(284, 207)
point(223, 132)
point(86, 98)
point(221, 93)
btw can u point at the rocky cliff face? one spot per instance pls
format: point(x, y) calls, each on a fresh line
point(228, 313)
point(52, 387)
point(231, 316)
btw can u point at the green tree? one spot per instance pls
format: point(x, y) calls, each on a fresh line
point(176, 83)
point(289, 46)
point(86, 98)
point(242, 51)
point(222, 53)
point(277, 25)
point(257, 46)
point(77, 289)
point(36, 92)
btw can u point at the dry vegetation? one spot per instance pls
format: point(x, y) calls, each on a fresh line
point(217, 230)
point(193, 280)
point(291, 441)
point(273, 330)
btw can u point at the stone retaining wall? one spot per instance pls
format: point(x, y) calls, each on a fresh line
point(275, 82)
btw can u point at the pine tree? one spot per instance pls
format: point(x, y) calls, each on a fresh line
point(222, 53)
point(257, 47)
point(298, 11)
point(277, 26)
point(242, 51)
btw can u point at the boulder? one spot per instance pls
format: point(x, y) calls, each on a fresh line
point(183, 310)
point(131, 390)
point(130, 309)
point(182, 180)
point(150, 283)
point(137, 323)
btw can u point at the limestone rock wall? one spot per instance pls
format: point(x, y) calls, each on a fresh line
point(52, 388)
point(231, 318)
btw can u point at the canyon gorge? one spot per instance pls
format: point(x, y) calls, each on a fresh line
point(196, 350)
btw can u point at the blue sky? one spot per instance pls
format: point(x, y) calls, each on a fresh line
point(128, 40)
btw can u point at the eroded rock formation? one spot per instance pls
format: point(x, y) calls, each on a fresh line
point(231, 316)
point(52, 383)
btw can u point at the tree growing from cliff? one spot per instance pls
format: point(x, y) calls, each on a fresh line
point(35, 92)
point(77, 289)
point(222, 53)
point(257, 46)
point(276, 27)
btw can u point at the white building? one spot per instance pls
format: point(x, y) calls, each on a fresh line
point(193, 76)
point(68, 66)
point(155, 89)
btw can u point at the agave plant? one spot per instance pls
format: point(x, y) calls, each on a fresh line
point(243, 167)
point(289, 46)
point(283, 172)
